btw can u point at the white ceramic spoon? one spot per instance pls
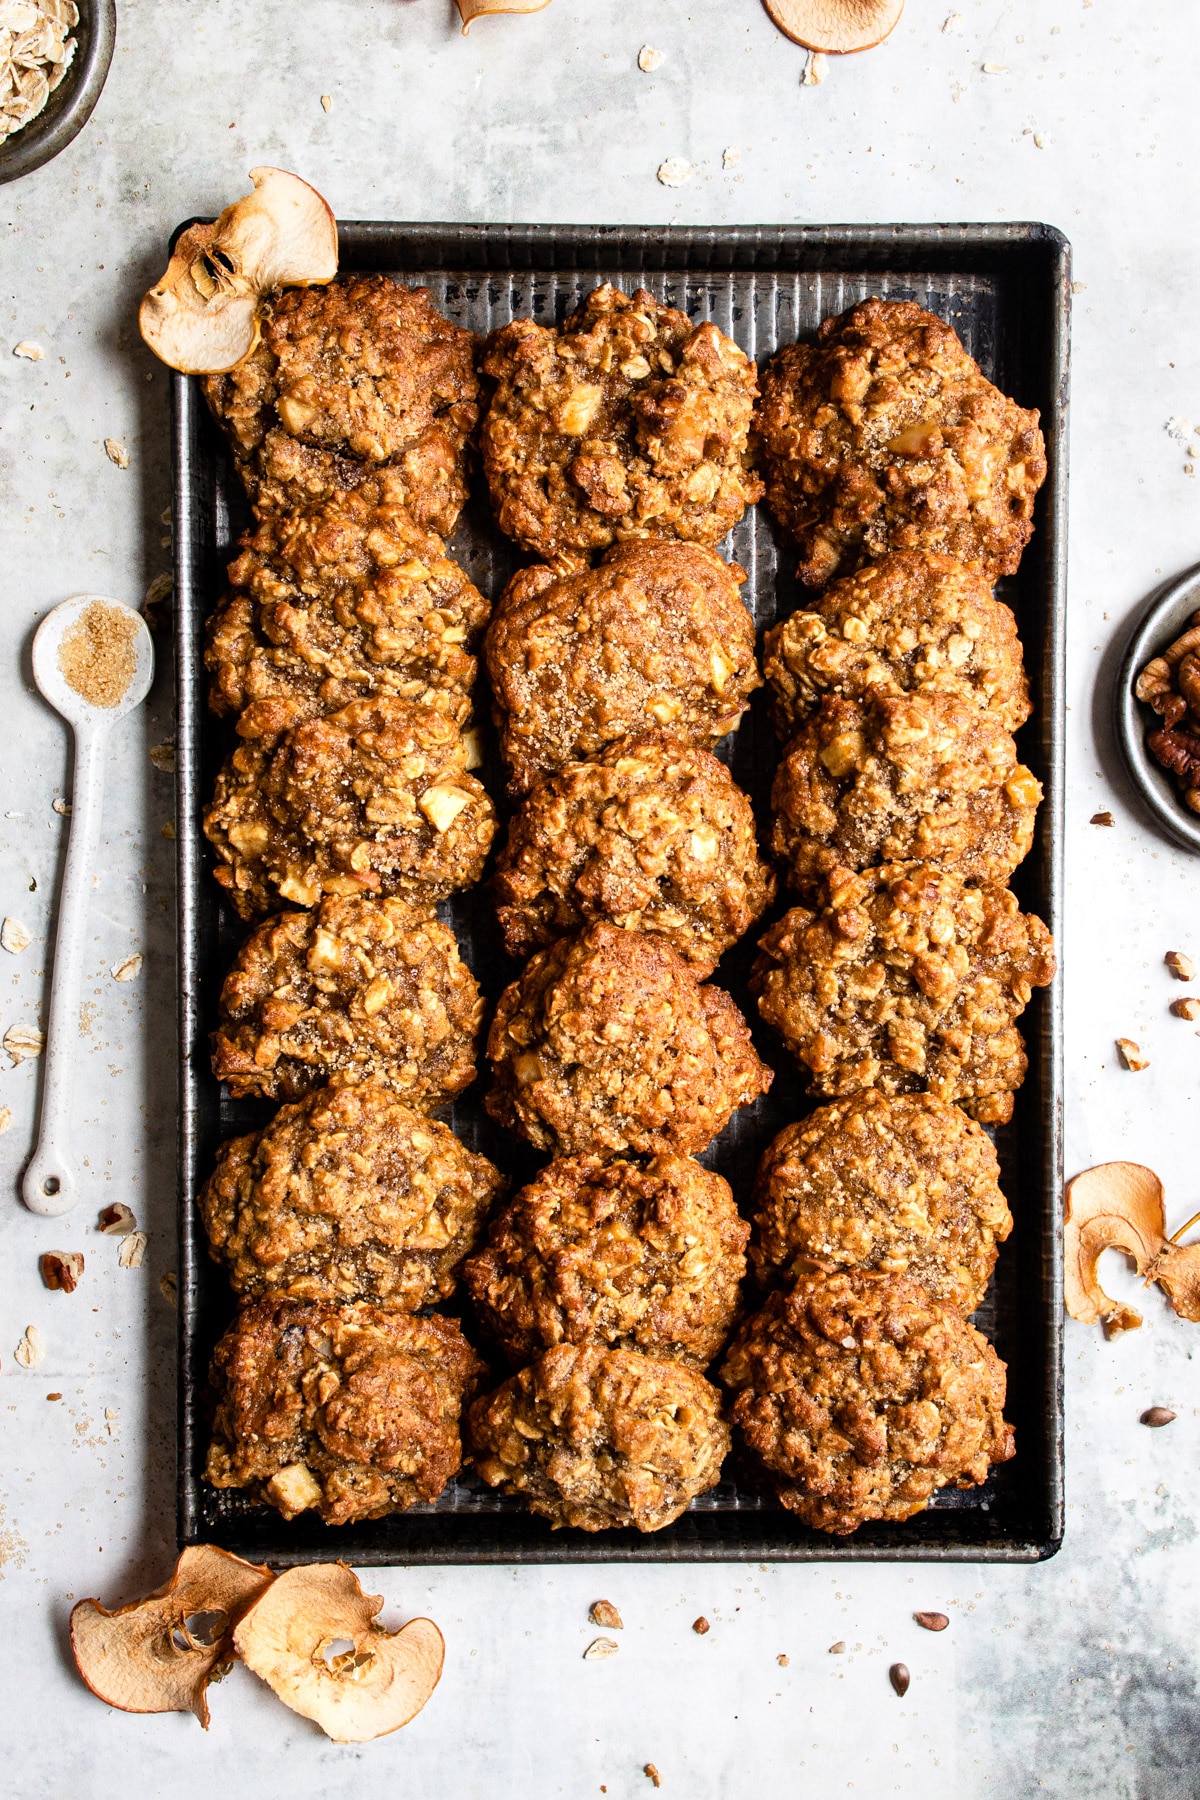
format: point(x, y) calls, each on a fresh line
point(51, 1182)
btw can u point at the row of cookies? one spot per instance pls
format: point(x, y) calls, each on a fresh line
point(900, 811)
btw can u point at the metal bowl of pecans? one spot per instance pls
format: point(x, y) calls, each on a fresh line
point(1158, 708)
point(54, 57)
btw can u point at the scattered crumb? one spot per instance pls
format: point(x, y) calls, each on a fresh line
point(54, 1396)
point(61, 807)
point(5, 1118)
point(133, 1249)
point(676, 171)
point(129, 968)
point(326, 102)
point(701, 1625)
point(838, 1649)
point(600, 1648)
point(653, 1773)
point(29, 350)
point(168, 1287)
point(783, 1661)
point(1131, 1054)
point(731, 156)
point(163, 756)
point(816, 67)
point(116, 452)
point(1039, 140)
point(13, 937)
point(649, 59)
point(1079, 287)
point(157, 592)
point(603, 1612)
point(167, 830)
point(110, 1421)
point(23, 1043)
point(32, 1348)
point(1102, 818)
point(994, 68)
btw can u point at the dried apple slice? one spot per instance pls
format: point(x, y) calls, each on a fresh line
point(835, 26)
point(476, 9)
point(202, 317)
point(159, 1654)
point(1115, 1206)
point(312, 1637)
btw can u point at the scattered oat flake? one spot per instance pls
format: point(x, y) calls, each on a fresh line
point(168, 1287)
point(1131, 1054)
point(61, 1270)
point(5, 1118)
point(29, 350)
point(649, 59)
point(13, 937)
point(133, 1249)
point(158, 590)
point(815, 69)
point(129, 969)
point(61, 807)
point(167, 830)
point(116, 452)
point(839, 1648)
point(1079, 287)
point(995, 68)
point(23, 1043)
point(603, 1612)
point(952, 22)
point(676, 171)
point(32, 1348)
point(326, 102)
point(600, 1648)
point(653, 1774)
point(1102, 818)
point(163, 756)
point(731, 156)
point(110, 1421)
point(1039, 140)
point(117, 1220)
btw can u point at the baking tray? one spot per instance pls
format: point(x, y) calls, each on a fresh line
point(1006, 290)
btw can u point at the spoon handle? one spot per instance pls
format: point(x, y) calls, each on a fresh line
point(51, 1182)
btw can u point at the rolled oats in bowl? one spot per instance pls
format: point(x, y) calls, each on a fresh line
point(35, 54)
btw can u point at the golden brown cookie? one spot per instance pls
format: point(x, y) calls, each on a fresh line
point(656, 638)
point(347, 1195)
point(359, 990)
point(912, 622)
point(922, 777)
point(360, 384)
point(902, 1184)
point(609, 1042)
point(628, 421)
point(884, 435)
point(863, 1396)
point(908, 980)
point(652, 835)
point(375, 798)
point(645, 1258)
point(348, 1410)
point(601, 1439)
point(336, 602)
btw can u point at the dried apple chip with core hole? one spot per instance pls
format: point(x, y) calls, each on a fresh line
point(1120, 1206)
point(836, 27)
point(312, 1637)
point(202, 317)
point(159, 1654)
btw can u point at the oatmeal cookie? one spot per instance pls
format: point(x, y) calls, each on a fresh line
point(652, 835)
point(347, 1195)
point(376, 798)
point(914, 621)
point(645, 1258)
point(346, 1409)
point(600, 1438)
point(884, 435)
point(908, 980)
point(629, 421)
point(902, 777)
point(335, 603)
point(360, 384)
point(657, 637)
point(608, 1042)
point(863, 1396)
point(360, 990)
point(903, 1184)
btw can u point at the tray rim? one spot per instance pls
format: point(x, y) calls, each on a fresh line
point(941, 247)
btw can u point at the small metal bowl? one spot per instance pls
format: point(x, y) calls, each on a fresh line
point(69, 107)
point(1165, 619)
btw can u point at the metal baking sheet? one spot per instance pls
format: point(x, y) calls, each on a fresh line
point(1006, 290)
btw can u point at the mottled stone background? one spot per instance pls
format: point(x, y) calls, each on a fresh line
point(1077, 1678)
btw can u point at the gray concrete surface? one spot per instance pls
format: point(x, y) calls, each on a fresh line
point(1077, 1678)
